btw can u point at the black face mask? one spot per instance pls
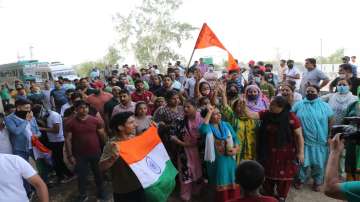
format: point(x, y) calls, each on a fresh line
point(311, 96)
point(290, 66)
point(253, 97)
point(232, 94)
point(21, 114)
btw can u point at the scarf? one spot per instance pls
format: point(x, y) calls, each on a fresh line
point(283, 135)
point(221, 134)
point(261, 103)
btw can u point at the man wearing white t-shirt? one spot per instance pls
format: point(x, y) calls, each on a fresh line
point(55, 134)
point(291, 73)
point(12, 171)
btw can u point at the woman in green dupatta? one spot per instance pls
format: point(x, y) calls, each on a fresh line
point(352, 156)
point(244, 127)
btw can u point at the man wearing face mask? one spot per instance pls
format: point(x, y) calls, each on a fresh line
point(22, 126)
point(270, 77)
point(266, 88)
point(345, 72)
point(291, 73)
point(313, 75)
point(36, 95)
point(99, 98)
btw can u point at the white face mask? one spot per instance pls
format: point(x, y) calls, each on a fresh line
point(342, 76)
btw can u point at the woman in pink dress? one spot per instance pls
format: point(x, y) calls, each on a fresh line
point(185, 134)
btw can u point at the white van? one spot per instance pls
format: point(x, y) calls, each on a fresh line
point(60, 70)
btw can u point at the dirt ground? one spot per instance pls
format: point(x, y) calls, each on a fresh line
point(68, 192)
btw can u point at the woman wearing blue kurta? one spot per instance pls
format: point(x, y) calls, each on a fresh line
point(221, 146)
point(316, 117)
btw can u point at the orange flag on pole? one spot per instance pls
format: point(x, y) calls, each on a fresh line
point(207, 38)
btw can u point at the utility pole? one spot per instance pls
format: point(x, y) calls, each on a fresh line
point(321, 53)
point(31, 52)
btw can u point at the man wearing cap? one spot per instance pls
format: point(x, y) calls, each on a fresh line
point(20, 92)
point(22, 126)
point(99, 98)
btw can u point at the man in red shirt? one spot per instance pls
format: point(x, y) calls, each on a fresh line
point(251, 175)
point(82, 135)
point(141, 94)
point(99, 98)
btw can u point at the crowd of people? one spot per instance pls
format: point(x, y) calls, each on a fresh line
point(244, 138)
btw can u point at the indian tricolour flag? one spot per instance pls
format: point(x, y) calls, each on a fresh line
point(148, 159)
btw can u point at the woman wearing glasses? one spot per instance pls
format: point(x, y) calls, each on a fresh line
point(316, 118)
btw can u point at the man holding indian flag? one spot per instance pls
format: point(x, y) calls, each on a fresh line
point(140, 166)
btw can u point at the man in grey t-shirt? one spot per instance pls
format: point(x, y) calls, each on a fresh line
point(313, 76)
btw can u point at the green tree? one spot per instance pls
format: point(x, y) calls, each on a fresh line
point(112, 56)
point(334, 58)
point(84, 69)
point(151, 32)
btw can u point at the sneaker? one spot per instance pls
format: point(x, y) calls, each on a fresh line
point(82, 198)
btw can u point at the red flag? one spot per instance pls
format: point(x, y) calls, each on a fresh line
point(207, 38)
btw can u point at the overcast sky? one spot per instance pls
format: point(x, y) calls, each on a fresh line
point(74, 31)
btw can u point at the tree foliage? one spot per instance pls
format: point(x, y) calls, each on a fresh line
point(334, 58)
point(111, 58)
point(151, 33)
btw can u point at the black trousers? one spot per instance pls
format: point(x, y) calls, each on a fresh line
point(58, 160)
point(82, 170)
point(134, 196)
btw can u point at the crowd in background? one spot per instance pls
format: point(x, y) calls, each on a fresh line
point(273, 125)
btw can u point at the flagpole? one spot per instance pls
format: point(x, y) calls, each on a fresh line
point(192, 54)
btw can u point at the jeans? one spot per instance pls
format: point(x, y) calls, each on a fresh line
point(25, 155)
point(58, 160)
point(81, 169)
